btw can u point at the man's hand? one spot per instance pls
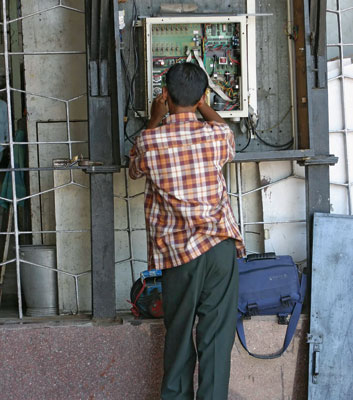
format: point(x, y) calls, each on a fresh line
point(158, 111)
point(209, 114)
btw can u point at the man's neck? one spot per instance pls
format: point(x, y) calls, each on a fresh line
point(178, 109)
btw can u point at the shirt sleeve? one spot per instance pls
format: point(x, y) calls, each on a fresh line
point(137, 166)
point(230, 144)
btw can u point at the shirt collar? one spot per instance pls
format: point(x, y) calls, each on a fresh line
point(181, 117)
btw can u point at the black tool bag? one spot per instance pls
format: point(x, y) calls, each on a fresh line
point(269, 285)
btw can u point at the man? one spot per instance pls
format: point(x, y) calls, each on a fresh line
point(192, 233)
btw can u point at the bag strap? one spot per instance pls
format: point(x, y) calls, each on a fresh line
point(290, 329)
point(134, 309)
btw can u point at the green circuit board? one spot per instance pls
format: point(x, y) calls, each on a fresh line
point(218, 47)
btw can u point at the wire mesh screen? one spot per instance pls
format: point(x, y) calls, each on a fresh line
point(44, 194)
point(340, 83)
point(43, 128)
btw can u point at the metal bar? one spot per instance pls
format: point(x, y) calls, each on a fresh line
point(49, 268)
point(292, 73)
point(15, 62)
point(294, 221)
point(43, 11)
point(339, 44)
point(34, 169)
point(240, 201)
point(43, 53)
point(128, 210)
point(50, 190)
point(77, 295)
point(92, 32)
point(53, 142)
point(280, 155)
point(341, 131)
point(227, 176)
point(131, 230)
point(8, 261)
point(68, 130)
point(103, 38)
point(117, 90)
point(56, 231)
point(5, 199)
point(128, 197)
point(103, 249)
point(48, 97)
point(12, 160)
point(344, 114)
point(340, 10)
point(38, 95)
point(101, 185)
point(265, 186)
point(131, 260)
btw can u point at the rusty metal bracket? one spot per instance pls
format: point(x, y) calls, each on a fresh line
point(319, 160)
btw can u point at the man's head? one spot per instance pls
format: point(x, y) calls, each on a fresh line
point(186, 84)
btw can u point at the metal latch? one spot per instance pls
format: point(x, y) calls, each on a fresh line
point(88, 166)
point(316, 341)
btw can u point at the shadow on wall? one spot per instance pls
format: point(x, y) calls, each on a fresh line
point(235, 396)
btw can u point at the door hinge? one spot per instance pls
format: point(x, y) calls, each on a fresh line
point(316, 341)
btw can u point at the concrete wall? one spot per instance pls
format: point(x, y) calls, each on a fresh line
point(59, 361)
point(57, 76)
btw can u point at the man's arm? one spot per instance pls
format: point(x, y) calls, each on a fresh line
point(136, 165)
point(230, 145)
point(209, 114)
point(158, 111)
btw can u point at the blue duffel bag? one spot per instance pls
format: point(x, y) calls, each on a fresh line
point(269, 285)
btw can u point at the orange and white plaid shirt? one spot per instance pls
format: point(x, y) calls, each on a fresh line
point(187, 207)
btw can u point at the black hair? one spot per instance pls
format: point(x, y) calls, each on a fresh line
point(186, 83)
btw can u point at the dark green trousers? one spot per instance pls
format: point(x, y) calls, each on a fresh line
point(206, 287)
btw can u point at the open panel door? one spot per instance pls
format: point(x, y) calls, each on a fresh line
point(331, 323)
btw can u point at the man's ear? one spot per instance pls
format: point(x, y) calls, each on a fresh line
point(201, 102)
point(165, 93)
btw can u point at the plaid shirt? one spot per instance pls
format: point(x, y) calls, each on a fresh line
point(187, 207)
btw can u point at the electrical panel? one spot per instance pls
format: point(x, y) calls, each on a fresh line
point(217, 44)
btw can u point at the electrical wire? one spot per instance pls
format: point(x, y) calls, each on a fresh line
point(132, 135)
point(246, 145)
point(249, 126)
point(286, 145)
point(283, 146)
point(278, 123)
point(130, 80)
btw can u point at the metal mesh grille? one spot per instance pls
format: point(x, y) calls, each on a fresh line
point(340, 52)
point(24, 173)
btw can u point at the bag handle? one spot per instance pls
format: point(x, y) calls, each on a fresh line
point(261, 256)
point(290, 329)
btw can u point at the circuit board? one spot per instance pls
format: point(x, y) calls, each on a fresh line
point(215, 46)
point(170, 44)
